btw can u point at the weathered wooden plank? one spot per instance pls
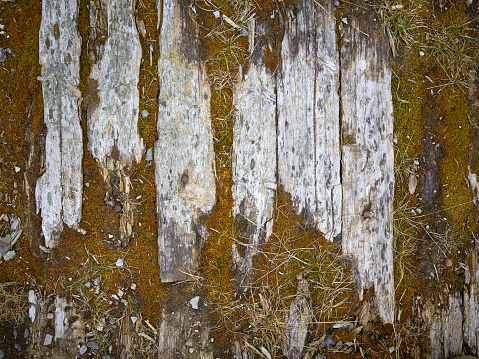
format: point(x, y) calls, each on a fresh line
point(175, 337)
point(444, 318)
point(113, 102)
point(298, 320)
point(57, 329)
point(309, 156)
point(184, 155)
point(59, 190)
point(368, 158)
point(254, 161)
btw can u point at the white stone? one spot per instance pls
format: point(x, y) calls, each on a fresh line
point(9, 255)
point(194, 302)
point(48, 339)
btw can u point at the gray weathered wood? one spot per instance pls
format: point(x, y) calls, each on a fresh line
point(113, 103)
point(177, 340)
point(308, 115)
point(184, 155)
point(254, 161)
point(470, 323)
point(59, 190)
point(298, 320)
point(368, 158)
point(64, 316)
point(444, 317)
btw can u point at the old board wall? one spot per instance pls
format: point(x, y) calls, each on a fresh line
point(311, 116)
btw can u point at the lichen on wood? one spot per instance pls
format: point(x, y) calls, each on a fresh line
point(309, 156)
point(368, 158)
point(113, 103)
point(184, 156)
point(59, 190)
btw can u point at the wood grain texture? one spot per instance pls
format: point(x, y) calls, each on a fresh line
point(184, 155)
point(59, 190)
point(309, 156)
point(113, 115)
point(113, 102)
point(254, 162)
point(298, 320)
point(368, 158)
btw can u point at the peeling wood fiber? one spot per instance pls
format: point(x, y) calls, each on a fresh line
point(114, 104)
point(309, 156)
point(368, 158)
point(59, 190)
point(254, 163)
point(184, 155)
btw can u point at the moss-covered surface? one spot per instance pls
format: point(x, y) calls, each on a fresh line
point(429, 112)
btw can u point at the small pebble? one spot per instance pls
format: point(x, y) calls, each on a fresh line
point(87, 184)
point(194, 302)
point(216, 14)
point(117, 208)
point(120, 293)
point(144, 113)
point(18, 347)
point(17, 169)
point(48, 339)
point(88, 284)
point(9, 255)
point(184, 178)
point(83, 349)
point(68, 331)
point(149, 155)
point(421, 53)
point(119, 262)
point(448, 262)
point(336, 3)
point(133, 319)
point(47, 329)
point(26, 333)
point(92, 345)
point(2, 354)
point(133, 286)
point(244, 32)
point(50, 316)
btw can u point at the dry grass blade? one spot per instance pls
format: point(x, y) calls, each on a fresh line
point(401, 21)
point(13, 303)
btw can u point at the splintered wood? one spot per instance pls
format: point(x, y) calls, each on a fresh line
point(113, 103)
point(309, 156)
point(368, 158)
point(59, 190)
point(184, 155)
point(254, 164)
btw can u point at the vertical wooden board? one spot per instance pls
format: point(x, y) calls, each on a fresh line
point(59, 190)
point(184, 155)
point(308, 115)
point(113, 102)
point(368, 158)
point(114, 97)
point(254, 161)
